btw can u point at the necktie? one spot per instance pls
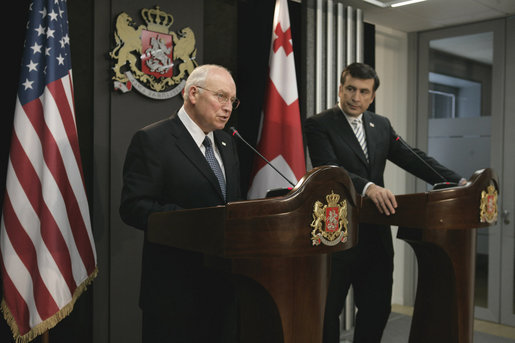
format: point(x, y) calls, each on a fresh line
point(213, 163)
point(360, 135)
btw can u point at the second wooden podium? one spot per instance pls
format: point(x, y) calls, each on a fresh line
point(441, 227)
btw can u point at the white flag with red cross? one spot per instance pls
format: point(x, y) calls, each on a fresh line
point(280, 140)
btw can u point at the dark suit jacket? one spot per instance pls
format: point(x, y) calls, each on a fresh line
point(164, 170)
point(331, 141)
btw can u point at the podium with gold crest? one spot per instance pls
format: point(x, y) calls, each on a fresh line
point(279, 248)
point(441, 227)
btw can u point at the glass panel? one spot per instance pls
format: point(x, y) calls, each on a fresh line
point(459, 131)
point(453, 97)
point(461, 66)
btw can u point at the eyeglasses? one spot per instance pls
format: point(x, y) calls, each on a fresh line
point(223, 98)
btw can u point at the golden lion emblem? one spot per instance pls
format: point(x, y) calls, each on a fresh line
point(128, 42)
point(150, 57)
point(334, 215)
point(488, 205)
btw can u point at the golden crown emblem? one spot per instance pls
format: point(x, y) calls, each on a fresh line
point(332, 199)
point(157, 20)
point(329, 221)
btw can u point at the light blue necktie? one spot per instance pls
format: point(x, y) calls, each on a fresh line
point(360, 135)
point(211, 159)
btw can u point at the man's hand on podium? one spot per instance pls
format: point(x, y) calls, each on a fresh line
point(383, 199)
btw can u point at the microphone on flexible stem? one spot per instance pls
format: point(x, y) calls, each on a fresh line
point(439, 185)
point(236, 133)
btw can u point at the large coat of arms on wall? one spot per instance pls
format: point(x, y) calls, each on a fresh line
point(151, 58)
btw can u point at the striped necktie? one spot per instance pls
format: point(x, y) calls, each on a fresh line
point(360, 135)
point(213, 163)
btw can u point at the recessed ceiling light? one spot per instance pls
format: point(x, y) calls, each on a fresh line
point(377, 3)
point(404, 3)
point(392, 3)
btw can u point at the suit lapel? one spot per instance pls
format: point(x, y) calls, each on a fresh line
point(189, 148)
point(369, 126)
point(222, 146)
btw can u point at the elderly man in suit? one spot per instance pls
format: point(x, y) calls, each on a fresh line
point(185, 161)
point(360, 141)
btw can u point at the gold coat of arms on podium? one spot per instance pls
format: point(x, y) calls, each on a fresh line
point(488, 205)
point(151, 58)
point(329, 221)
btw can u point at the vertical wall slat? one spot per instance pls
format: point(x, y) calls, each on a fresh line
point(330, 53)
point(341, 45)
point(351, 36)
point(319, 89)
point(360, 44)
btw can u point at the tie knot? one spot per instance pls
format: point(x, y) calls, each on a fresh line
point(356, 121)
point(207, 142)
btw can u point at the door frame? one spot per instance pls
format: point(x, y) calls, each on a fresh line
point(492, 312)
point(508, 183)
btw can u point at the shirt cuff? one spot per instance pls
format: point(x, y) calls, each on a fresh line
point(364, 193)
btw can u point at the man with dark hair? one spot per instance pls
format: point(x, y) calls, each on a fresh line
point(185, 161)
point(360, 141)
point(360, 71)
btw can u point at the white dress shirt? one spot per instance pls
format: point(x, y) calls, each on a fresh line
point(198, 135)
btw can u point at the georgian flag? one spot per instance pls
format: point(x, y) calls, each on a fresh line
point(281, 133)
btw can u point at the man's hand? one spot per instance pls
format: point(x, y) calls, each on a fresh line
point(383, 198)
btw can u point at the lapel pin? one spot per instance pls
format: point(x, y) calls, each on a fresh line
point(372, 124)
point(223, 143)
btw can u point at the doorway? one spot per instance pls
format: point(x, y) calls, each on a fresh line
point(465, 120)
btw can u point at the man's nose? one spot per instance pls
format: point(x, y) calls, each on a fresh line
point(227, 106)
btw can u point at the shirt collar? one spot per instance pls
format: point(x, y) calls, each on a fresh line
point(350, 118)
point(195, 131)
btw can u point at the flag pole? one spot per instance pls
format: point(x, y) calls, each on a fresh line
point(45, 337)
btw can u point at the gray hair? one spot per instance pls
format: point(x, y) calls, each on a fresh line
point(199, 75)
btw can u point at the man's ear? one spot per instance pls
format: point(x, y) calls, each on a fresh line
point(192, 94)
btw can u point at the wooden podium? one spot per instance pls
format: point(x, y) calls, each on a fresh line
point(441, 227)
point(270, 242)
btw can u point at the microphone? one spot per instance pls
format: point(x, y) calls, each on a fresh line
point(439, 185)
point(236, 133)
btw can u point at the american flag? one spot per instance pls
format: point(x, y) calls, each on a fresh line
point(47, 249)
point(281, 135)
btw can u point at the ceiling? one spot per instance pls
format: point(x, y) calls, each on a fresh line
point(478, 46)
point(433, 14)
